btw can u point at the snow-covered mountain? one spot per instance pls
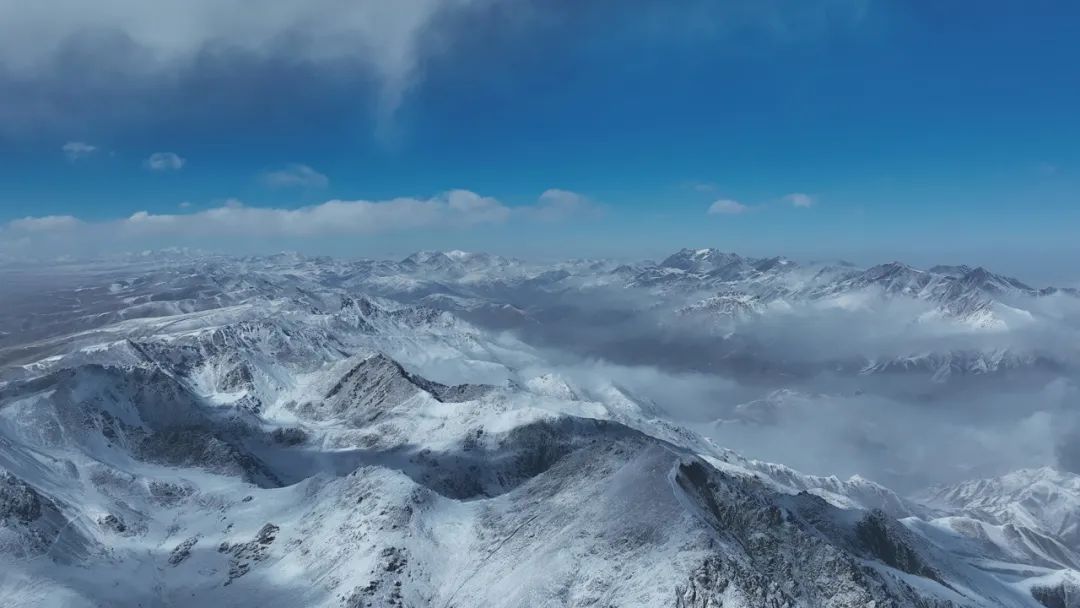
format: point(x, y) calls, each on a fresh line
point(1045, 500)
point(291, 431)
point(730, 295)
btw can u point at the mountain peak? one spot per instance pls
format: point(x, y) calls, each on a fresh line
point(426, 256)
point(955, 271)
point(701, 260)
point(776, 262)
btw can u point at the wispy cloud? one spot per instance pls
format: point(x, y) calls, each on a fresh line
point(116, 61)
point(295, 175)
point(1047, 169)
point(164, 161)
point(727, 206)
point(74, 150)
point(702, 187)
point(800, 199)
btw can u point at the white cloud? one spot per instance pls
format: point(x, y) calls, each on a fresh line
point(75, 150)
point(164, 161)
point(48, 223)
point(185, 204)
point(473, 208)
point(233, 219)
point(295, 176)
point(800, 199)
point(700, 186)
point(332, 218)
point(556, 205)
point(726, 206)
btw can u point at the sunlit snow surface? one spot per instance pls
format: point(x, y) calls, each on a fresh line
point(467, 430)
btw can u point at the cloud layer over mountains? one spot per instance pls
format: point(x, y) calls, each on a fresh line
point(908, 376)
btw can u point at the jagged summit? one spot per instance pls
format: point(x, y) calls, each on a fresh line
point(379, 383)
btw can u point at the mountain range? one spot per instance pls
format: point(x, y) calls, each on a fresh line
point(185, 429)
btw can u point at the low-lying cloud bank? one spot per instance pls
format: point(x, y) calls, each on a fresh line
point(789, 385)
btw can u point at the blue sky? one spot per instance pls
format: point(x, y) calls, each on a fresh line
point(921, 132)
